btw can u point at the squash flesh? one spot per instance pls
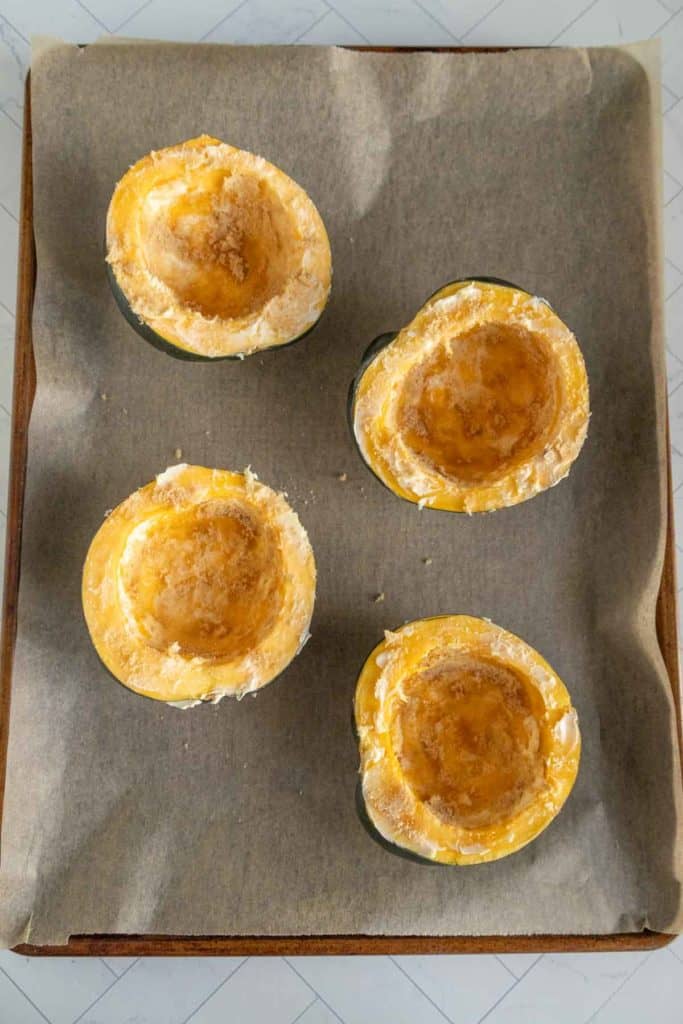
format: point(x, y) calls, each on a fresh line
point(207, 579)
point(469, 741)
point(480, 404)
point(224, 245)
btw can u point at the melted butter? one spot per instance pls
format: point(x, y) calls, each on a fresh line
point(480, 404)
point(205, 581)
point(469, 739)
point(224, 243)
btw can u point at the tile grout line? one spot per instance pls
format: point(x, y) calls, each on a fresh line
point(27, 998)
point(305, 1010)
point(8, 115)
point(670, 200)
point(308, 984)
point(436, 21)
point(617, 989)
point(531, 966)
point(513, 986)
point(11, 119)
point(498, 1001)
point(421, 990)
point(7, 310)
point(573, 21)
point(350, 23)
point(670, 350)
point(666, 88)
point(666, 21)
point(20, 34)
point(100, 958)
point(313, 24)
point(211, 994)
point(107, 989)
point(93, 16)
point(130, 17)
point(8, 212)
point(672, 264)
point(482, 19)
point(510, 972)
point(222, 20)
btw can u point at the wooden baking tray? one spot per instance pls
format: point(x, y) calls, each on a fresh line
point(236, 945)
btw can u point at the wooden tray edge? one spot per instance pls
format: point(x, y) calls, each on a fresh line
point(344, 945)
point(297, 945)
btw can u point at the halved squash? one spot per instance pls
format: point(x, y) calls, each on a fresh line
point(479, 403)
point(213, 252)
point(469, 745)
point(199, 585)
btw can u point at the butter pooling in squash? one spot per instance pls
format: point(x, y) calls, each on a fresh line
point(199, 585)
point(469, 744)
point(215, 252)
point(479, 403)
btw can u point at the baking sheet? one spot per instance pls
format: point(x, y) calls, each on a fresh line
point(124, 816)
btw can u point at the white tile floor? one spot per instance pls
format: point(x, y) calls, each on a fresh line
point(570, 989)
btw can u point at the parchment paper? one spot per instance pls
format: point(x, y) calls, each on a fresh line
point(541, 167)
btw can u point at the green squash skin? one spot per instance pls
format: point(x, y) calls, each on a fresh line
point(373, 831)
point(373, 350)
point(376, 835)
point(163, 345)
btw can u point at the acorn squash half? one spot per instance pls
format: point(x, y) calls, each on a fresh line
point(198, 586)
point(469, 745)
point(213, 252)
point(479, 403)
